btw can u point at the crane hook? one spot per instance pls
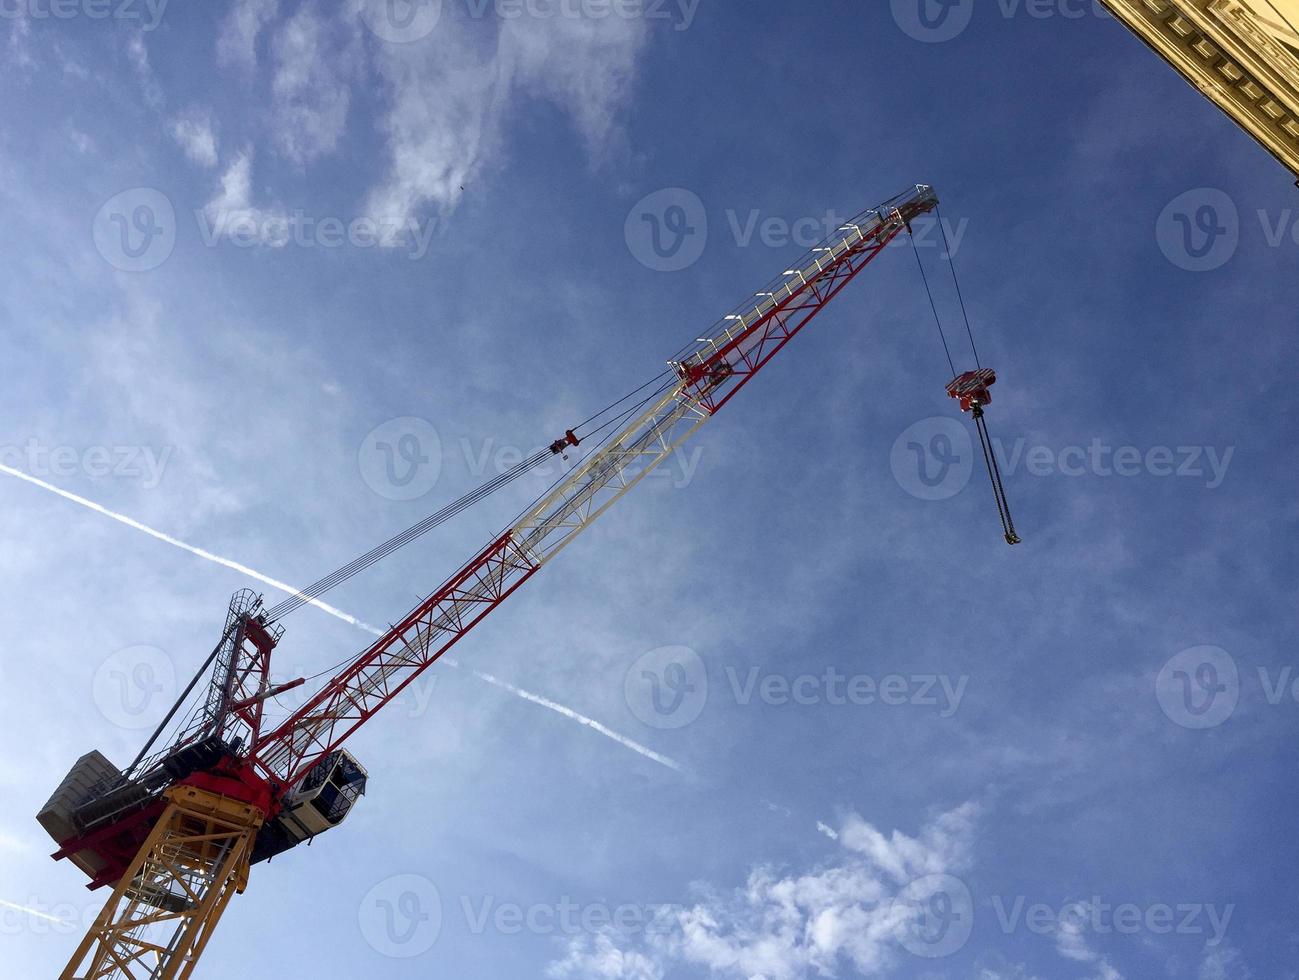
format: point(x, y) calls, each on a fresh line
point(971, 389)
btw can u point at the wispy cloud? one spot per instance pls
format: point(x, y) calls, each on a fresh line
point(138, 54)
point(447, 99)
point(237, 41)
point(449, 106)
point(194, 133)
point(1071, 941)
point(233, 209)
point(316, 59)
point(1224, 963)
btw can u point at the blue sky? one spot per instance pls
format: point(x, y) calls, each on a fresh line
point(247, 243)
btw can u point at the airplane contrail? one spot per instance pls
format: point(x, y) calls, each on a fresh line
point(177, 543)
point(36, 913)
point(324, 607)
point(582, 720)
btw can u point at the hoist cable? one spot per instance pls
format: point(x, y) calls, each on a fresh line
point(357, 565)
point(932, 305)
point(456, 507)
point(951, 262)
point(617, 420)
point(614, 421)
point(179, 701)
point(612, 405)
point(994, 472)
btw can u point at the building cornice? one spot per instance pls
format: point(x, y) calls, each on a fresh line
point(1242, 54)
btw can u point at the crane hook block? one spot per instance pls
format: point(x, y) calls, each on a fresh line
point(972, 388)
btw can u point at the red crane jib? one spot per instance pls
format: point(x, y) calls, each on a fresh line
point(271, 763)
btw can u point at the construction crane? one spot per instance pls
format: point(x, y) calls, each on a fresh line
point(176, 833)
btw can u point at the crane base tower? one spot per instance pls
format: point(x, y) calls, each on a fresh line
point(161, 914)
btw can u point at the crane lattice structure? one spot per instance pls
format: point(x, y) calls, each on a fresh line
point(175, 834)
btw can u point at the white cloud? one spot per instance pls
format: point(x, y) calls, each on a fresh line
point(1223, 963)
point(586, 66)
point(232, 209)
point(447, 102)
point(20, 55)
point(1071, 941)
point(84, 144)
point(315, 63)
point(442, 123)
point(195, 135)
point(1017, 972)
point(139, 57)
point(784, 927)
point(450, 105)
point(237, 42)
point(603, 960)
